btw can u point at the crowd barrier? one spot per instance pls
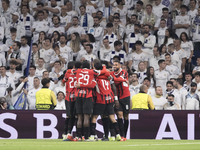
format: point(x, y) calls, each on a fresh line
point(146, 124)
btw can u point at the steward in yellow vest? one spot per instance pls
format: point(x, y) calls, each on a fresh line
point(142, 101)
point(45, 98)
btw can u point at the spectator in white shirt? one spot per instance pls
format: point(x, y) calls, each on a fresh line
point(192, 98)
point(54, 9)
point(187, 45)
point(89, 56)
point(135, 85)
point(156, 57)
point(171, 104)
point(197, 80)
point(35, 55)
point(168, 37)
point(65, 19)
point(40, 25)
point(89, 8)
point(148, 41)
point(12, 73)
point(182, 22)
point(40, 68)
point(141, 71)
point(117, 52)
point(158, 99)
point(188, 81)
point(15, 23)
point(86, 20)
point(6, 10)
point(118, 29)
point(83, 50)
point(196, 68)
point(110, 35)
point(105, 49)
point(136, 57)
point(28, 20)
point(31, 77)
point(151, 90)
point(161, 32)
point(31, 93)
point(181, 53)
point(151, 76)
point(157, 9)
point(56, 26)
point(60, 101)
point(161, 75)
point(24, 47)
point(5, 81)
point(76, 28)
point(46, 53)
point(193, 11)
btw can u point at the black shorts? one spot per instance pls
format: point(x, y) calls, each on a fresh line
point(100, 109)
point(84, 105)
point(70, 108)
point(124, 105)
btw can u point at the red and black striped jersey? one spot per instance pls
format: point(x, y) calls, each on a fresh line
point(85, 77)
point(70, 80)
point(104, 92)
point(122, 87)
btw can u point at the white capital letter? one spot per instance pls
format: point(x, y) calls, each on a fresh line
point(131, 117)
point(168, 119)
point(190, 127)
point(41, 128)
point(5, 127)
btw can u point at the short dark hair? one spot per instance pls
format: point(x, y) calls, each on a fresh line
point(45, 81)
point(118, 1)
point(136, 16)
point(98, 65)
point(197, 73)
point(70, 65)
point(109, 25)
point(167, 54)
point(82, 6)
point(13, 30)
point(78, 64)
point(14, 62)
point(86, 64)
point(18, 44)
point(90, 45)
point(117, 57)
point(55, 45)
point(34, 44)
point(40, 4)
point(138, 43)
point(179, 81)
point(83, 41)
point(147, 78)
point(32, 66)
point(165, 9)
point(48, 39)
point(116, 43)
point(188, 73)
point(96, 17)
point(57, 62)
point(116, 61)
point(194, 1)
point(3, 67)
point(62, 93)
point(184, 6)
point(169, 82)
point(27, 6)
point(40, 12)
point(140, 3)
point(170, 95)
point(75, 17)
point(136, 75)
point(161, 61)
point(24, 37)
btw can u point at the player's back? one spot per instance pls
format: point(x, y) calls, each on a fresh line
point(70, 86)
point(104, 91)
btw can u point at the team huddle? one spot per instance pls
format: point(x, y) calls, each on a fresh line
point(94, 92)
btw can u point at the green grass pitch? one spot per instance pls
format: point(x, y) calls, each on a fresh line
point(35, 144)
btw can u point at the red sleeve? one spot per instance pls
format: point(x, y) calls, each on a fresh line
point(118, 79)
point(89, 86)
point(65, 78)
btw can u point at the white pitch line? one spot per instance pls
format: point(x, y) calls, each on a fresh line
point(162, 144)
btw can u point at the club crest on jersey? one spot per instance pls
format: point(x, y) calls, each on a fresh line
point(91, 30)
point(164, 74)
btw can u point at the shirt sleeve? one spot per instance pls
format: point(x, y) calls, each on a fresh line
point(150, 103)
point(53, 98)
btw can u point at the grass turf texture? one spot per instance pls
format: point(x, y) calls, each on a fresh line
point(35, 144)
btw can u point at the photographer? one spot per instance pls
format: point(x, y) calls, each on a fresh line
point(3, 103)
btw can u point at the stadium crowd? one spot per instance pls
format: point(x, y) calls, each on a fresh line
point(156, 42)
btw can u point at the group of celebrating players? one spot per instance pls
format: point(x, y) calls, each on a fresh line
point(94, 92)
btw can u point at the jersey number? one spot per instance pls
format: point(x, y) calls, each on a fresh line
point(71, 83)
point(85, 79)
point(105, 84)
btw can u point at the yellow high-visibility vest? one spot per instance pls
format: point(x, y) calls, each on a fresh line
point(140, 101)
point(43, 99)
